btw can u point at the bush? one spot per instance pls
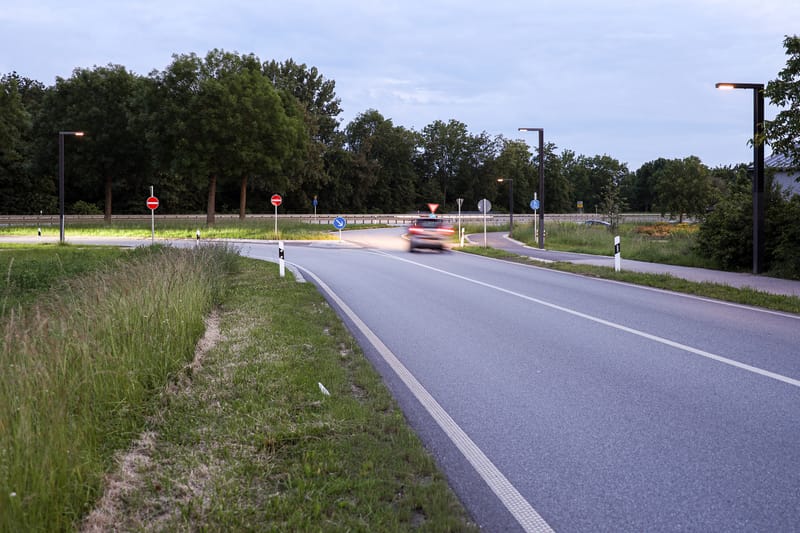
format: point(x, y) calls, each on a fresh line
point(85, 208)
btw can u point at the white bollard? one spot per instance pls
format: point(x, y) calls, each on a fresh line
point(617, 255)
point(281, 262)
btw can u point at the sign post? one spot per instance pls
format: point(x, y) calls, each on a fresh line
point(484, 206)
point(276, 201)
point(152, 204)
point(460, 201)
point(315, 208)
point(339, 223)
point(535, 207)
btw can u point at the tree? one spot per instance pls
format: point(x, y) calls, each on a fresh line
point(15, 126)
point(319, 108)
point(640, 189)
point(596, 181)
point(445, 155)
point(683, 186)
point(223, 121)
point(783, 133)
point(100, 102)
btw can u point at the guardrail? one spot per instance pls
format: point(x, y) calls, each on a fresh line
point(326, 219)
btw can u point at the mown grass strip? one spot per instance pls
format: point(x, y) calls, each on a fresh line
point(254, 444)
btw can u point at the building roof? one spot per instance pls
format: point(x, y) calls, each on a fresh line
point(781, 161)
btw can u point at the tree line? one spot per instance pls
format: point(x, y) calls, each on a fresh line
point(223, 132)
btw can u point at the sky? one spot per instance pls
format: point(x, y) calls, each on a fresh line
point(632, 79)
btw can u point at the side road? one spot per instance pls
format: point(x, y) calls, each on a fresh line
point(502, 241)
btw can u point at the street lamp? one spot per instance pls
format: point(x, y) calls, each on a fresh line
point(541, 183)
point(758, 169)
point(61, 135)
point(510, 202)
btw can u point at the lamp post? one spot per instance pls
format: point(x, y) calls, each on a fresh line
point(541, 183)
point(758, 169)
point(510, 202)
point(61, 135)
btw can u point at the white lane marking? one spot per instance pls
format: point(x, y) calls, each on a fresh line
point(655, 338)
point(663, 291)
point(516, 504)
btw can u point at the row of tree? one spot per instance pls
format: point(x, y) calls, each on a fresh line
point(224, 132)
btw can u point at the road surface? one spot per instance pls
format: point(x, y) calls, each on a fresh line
point(557, 401)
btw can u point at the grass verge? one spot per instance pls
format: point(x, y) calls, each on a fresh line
point(243, 439)
point(718, 291)
point(254, 444)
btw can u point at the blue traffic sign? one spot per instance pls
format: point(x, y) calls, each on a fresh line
point(314, 202)
point(339, 223)
point(534, 204)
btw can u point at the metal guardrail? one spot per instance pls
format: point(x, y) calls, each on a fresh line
point(326, 219)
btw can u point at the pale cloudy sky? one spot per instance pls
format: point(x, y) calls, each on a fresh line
point(633, 79)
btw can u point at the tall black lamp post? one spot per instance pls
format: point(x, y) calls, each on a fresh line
point(61, 135)
point(541, 183)
point(510, 202)
point(758, 169)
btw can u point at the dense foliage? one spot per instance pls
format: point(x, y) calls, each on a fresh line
point(222, 133)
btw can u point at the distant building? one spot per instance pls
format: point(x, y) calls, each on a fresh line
point(787, 171)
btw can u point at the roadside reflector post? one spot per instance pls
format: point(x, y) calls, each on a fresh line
point(463, 231)
point(617, 255)
point(281, 262)
point(197, 235)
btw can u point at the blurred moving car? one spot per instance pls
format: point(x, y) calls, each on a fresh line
point(430, 233)
point(597, 223)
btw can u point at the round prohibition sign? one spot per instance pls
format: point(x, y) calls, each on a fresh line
point(152, 202)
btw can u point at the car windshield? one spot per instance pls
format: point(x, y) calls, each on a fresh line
point(427, 222)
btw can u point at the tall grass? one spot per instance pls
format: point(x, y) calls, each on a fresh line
point(81, 370)
point(27, 271)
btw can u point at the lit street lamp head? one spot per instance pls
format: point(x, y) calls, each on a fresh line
point(727, 86)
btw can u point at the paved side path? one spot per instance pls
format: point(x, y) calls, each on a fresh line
point(734, 279)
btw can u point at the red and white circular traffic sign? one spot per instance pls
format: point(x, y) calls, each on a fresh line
point(152, 202)
point(276, 200)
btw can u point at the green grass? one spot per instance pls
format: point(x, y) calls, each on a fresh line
point(674, 245)
point(29, 271)
point(254, 445)
point(186, 228)
point(718, 291)
point(240, 440)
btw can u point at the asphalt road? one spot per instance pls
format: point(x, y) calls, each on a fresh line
point(557, 401)
point(554, 401)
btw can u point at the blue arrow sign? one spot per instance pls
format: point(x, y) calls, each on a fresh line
point(339, 223)
point(534, 204)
